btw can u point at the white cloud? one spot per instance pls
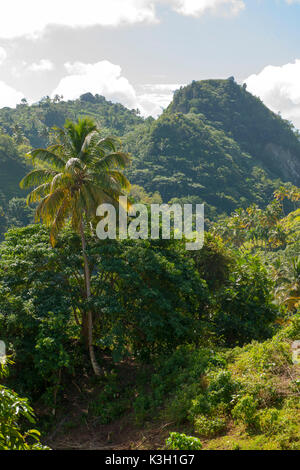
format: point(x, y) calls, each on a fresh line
point(105, 78)
point(31, 17)
point(43, 65)
point(3, 55)
point(153, 99)
point(279, 89)
point(9, 96)
point(199, 7)
point(102, 77)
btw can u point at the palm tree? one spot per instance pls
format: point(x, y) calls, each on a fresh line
point(72, 178)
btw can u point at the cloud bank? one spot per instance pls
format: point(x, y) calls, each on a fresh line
point(19, 18)
point(105, 78)
point(102, 77)
point(9, 96)
point(279, 89)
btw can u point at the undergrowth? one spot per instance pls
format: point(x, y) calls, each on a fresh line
point(242, 398)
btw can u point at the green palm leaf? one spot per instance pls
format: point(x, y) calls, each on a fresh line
point(38, 193)
point(36, 177)
point(60, 220)
point(46, 156)
point(112, 160)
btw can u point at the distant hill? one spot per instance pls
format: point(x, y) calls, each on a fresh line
point(216, 143)
point(259, 132)
point(34, 122)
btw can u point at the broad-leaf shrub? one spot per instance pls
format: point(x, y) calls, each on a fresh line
point(178, 441)
point(14, 413)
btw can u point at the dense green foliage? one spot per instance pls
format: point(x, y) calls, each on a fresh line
point(14, 412)
point(250, 392)
point(172, 311)
point(185, 158)
point(12, 168)
point(178, 441)
point(197, 339)
point(147, 299)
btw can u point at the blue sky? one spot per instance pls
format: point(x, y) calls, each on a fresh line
point(138, 51)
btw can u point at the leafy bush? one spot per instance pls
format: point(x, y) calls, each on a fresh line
point(245, 411)
point(200, 404)
point(186, 402)
point(14, 413)
point(222, 388)
point(269, 421)
point(271, 357)
point(178, 441)
point(159, 301)
point(209, 426)
point(292, 331)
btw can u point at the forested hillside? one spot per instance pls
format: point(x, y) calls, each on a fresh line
point(215, 143)
point(258, 131)
point(34, 122)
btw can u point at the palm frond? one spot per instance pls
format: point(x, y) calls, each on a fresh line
point(38, 193)
point(120, 178)
point(60, 220)
point(72, 164)
point(108, 144)
point(37, 177)
point(112, 160)
point(61, 180)
point(45, 156)
point(91, 200)
point(79, 131)
point(49, 206)
point(76, 175)
point(105, 193)
point(105, 183)
point(89, 139)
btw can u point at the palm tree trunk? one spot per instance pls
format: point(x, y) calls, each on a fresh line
point(87, 277)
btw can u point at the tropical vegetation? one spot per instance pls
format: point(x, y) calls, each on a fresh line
point(141, 342)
